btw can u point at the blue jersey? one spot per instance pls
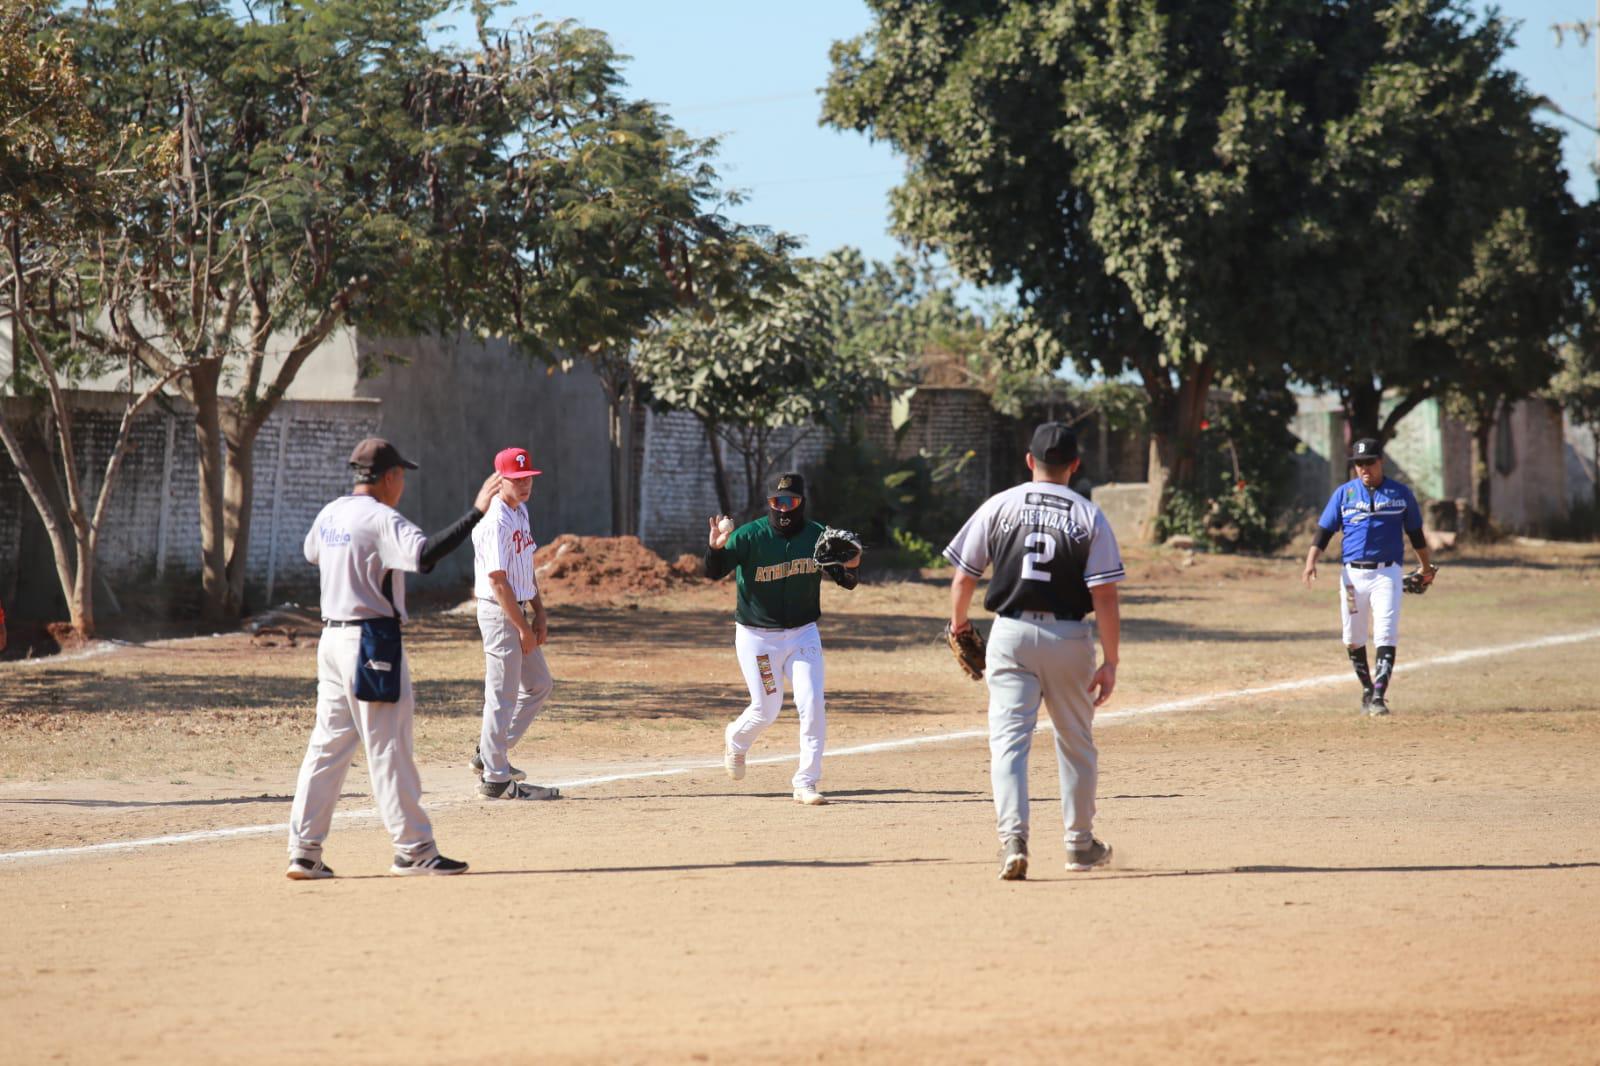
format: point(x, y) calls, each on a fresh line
point(1373, 521)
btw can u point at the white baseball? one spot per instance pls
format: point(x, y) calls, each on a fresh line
point(725, 525)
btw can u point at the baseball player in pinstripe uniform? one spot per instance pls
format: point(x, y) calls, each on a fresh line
point(511, 617)
point(1055, 563)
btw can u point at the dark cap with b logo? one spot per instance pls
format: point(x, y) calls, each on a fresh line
point(374, 457)
point(1054, 444)
point(1364, 449)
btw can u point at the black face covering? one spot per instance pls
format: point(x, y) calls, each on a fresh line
point(787, 523)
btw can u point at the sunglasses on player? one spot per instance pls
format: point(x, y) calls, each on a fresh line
point(784, 502)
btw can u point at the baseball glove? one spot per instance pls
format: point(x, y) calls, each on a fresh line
point(836, 547)
point(1414, 582)
point(968, 648)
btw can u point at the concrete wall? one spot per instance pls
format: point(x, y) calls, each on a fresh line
point(150, 546)
point(451, 405)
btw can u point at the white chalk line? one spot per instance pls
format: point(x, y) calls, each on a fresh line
point(1164, 707)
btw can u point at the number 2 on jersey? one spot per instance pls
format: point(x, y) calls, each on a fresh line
point(1044, 546)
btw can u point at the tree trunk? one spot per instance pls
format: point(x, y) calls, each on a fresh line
point(238, 497)
point(38, 476)
point(618, 444)
point(1174, 441)
point(1482, 468)
point(80, 599)
point(204, 380)
point(1362, 403)
point(719, 473)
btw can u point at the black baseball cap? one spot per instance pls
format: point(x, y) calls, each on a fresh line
point(1054, 444)
point(375, 456)
point(1366, 448)
point(791, 483)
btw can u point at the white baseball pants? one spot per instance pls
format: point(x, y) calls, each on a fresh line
point(343, 722)
point(768, 658)
point(1370, 597)
point(515, 687)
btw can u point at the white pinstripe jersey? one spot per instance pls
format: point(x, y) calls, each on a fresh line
point(503, 540)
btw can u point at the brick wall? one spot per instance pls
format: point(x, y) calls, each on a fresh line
point(152, 532)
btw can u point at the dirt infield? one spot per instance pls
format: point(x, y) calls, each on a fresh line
point(1294, 882)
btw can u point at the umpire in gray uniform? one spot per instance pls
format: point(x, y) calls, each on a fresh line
point(363, 548)
point(1055, 563)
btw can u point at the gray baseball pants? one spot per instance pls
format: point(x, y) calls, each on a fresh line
point(515, 687)
point(343, 722)
point(1033, 658)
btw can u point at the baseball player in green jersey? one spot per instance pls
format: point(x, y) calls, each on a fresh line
point(775, 631)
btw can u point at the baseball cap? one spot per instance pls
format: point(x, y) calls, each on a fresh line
point(791, 483)
point(375, 456)
point(1054, 443)
point(514, 463)
point(1366, 448)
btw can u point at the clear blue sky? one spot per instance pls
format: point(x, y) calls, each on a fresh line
point(749, 73)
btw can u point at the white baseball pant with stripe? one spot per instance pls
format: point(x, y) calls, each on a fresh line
point(768, 658)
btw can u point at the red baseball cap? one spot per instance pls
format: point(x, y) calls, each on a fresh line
point(514, 463)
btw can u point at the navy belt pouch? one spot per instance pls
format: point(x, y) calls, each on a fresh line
point(378, 669)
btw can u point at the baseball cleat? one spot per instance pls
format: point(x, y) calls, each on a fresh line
point(1377, 708)
point(308, 870)
point(1098, 853)
point(437, 866)
point(1014, 859)
point(476, 762)
point(733, 762)
point(809, 796)
point(516, 790)
point(1366, 702)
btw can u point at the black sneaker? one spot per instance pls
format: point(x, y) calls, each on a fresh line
point(308, 870)
point(1377, 707)
point(516, 790)
point(476, 762)
point(438, 865)
point(1366, 701)
point(1014, 859)
point(1097, 853)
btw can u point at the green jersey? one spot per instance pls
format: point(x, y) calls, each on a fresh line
point(780, 584)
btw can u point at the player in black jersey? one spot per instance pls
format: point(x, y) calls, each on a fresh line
point(1055, 562)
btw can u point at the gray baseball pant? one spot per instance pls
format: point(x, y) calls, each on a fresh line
point(515, 687)
point(1031, 658)
point(343, 722)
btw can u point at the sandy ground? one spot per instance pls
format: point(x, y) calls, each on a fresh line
point(1293, 882)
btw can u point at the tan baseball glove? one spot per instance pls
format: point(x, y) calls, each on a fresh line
point(968, 648)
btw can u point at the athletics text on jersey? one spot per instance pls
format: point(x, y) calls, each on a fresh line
point(1049, 547)
point(504, 541)
point(779, 583)
point(1372, 521)
point(362, 549)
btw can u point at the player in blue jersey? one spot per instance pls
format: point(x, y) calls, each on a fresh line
point(1374, 516)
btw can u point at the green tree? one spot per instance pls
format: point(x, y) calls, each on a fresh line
point(64, 179)
point(1204, 193)
point(337, 167)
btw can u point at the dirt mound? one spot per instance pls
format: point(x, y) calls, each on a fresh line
point(573, 569)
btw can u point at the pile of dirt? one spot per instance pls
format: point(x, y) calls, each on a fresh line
point(573, 569)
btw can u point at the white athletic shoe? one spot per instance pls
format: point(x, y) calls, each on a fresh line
point(808, 795)
point(733, 762)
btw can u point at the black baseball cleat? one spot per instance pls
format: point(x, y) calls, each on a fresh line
point(436, 866)
point(308, 870)
point(1366, 702)
point(1098, 853)
point(1377, 707)
point(476, 762)
point(516, 790)
point(1014, 859)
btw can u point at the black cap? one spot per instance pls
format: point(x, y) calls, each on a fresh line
point(375, 456)
point(1366, 448)
point(1054, 444)
point(791, 483)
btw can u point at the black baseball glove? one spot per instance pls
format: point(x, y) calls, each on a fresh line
point(969, 649)
point(1418, 580)
point(835, 548)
